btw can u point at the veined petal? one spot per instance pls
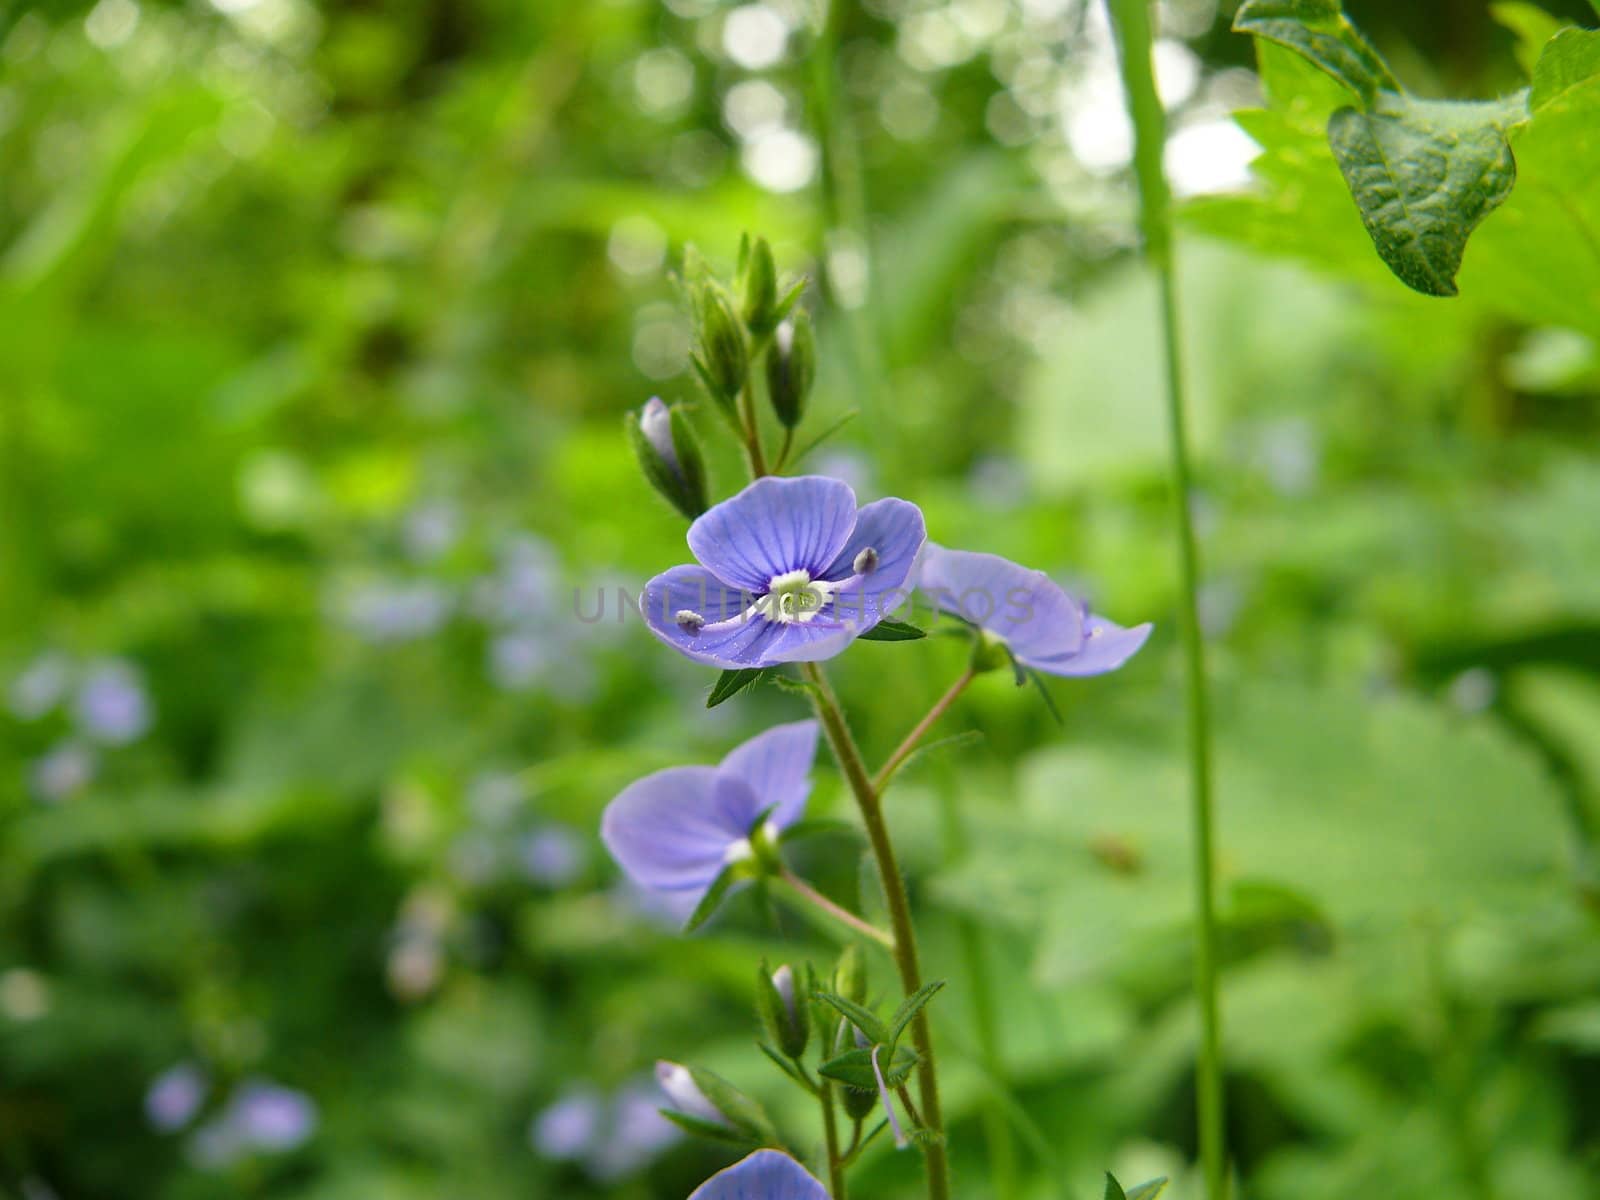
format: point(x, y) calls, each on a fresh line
point(1105, 648)
point(672, 830)
point(765, 1175)
point(1036, 617)
point(694, 589)
point(894, 530)
point(773, 527)
point(777, 767)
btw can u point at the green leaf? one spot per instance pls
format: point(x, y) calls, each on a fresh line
point(1570, 61)
point(1114, 1189)
point(819, 827)
point(1044, 694)
point(826, 434)
point(942, 745)
point(1423, 174)
point(713, 897)
point(711, 1130)
point(893, 631)
point(730, 683)
point(1320, 32)
point(910, 1007)
point(744, 1113)
point(1149, 1190)
point(853, 1068)
point(784, 1065)
point(863, 1019)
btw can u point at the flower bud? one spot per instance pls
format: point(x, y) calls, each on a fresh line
point(722, 357)
point(791, 368)
point(685, 1095)
point(786, 1020)
point(669, 456)
point(761, 289)
point(850, 975)
point(858, 1105)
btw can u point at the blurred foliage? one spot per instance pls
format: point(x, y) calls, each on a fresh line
point(319, 322)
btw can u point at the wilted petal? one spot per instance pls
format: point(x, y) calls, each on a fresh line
point(777, 766)
point(672, 830)
point(1035, 617)
point(765, 1175)
point(773, 527)
point(1106, 647)
point(894, 530)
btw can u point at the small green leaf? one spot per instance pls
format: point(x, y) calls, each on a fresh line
point(1319, 31)
point(827, 433)
point(1531, 25)
point(867, 1022)
point(939, 746)
point(784, 1065)
point(893, 631)
point(1114, 1189)
point(713, 897)
point(1569, 61)
point(910, 1007)
point(730, 683)
point(743, 1112)
point(853, 1068)
point(700, 1127)
point(1424, 173)
point(1044, 694)
point(1149, 1190)
point(819, 827)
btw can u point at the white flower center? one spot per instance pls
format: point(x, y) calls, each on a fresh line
point(793, 597)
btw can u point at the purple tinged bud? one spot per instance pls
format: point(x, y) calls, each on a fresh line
point(786, 1022)
point(685, 1095)
point(656, 424)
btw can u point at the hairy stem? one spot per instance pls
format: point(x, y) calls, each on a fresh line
point(839, 913)
point(899, 905)
point(830, 1135)
point(1131, 20)
point(905, 749)
point(752, 432)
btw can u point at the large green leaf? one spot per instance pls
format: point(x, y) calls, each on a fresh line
point(1376, 810)
point(1424, 174)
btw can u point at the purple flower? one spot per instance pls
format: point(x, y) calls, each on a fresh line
point(789, 571)
point(112, 705)
point(1042, 626)
point(569, 1128)
point(765, 1175)
point(175, 1096)
point(676, 830)
point(63, 771)
point(553, 856)
point(269, 1116)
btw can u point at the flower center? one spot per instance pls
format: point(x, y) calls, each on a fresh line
point(793, 597)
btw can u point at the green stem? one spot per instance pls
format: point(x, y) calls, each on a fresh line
point(905, 749)
point(843, 915)
point(1131, 20)
point(752, 432)
point(899, 905)
point(830, 1134)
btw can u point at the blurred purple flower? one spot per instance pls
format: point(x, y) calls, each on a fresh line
point(431, 529)
point(638, 1133)
point(112, 704)
point(175, 1096)
point(570, 1128)
point(789, 571)
point(41, 686)
point(63, 771)
point(516, 660)
point(765, 1175)
point(553, 856)
point(675, 830)
point(395, 612)
point(524, 585)
point(1043, 626)
point(270, 1116)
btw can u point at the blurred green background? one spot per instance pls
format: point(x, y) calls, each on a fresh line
point(317, 325)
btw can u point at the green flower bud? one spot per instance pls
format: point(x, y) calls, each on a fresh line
point(989, 653)
point(761, 289)
point(785, 1017)
point(722, 357)
point(670, 456)
point(850, 975)
point(791, 368)
point(858, 1105)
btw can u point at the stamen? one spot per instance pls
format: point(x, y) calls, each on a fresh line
point(689, 621)
point(866, 562)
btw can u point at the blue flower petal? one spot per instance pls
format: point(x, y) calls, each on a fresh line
point(1106, 648)
point(895, 530)
point(1035, 617)
point(777, 767)
point(773, 527)
point(672, 830)
point(765, 1175)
